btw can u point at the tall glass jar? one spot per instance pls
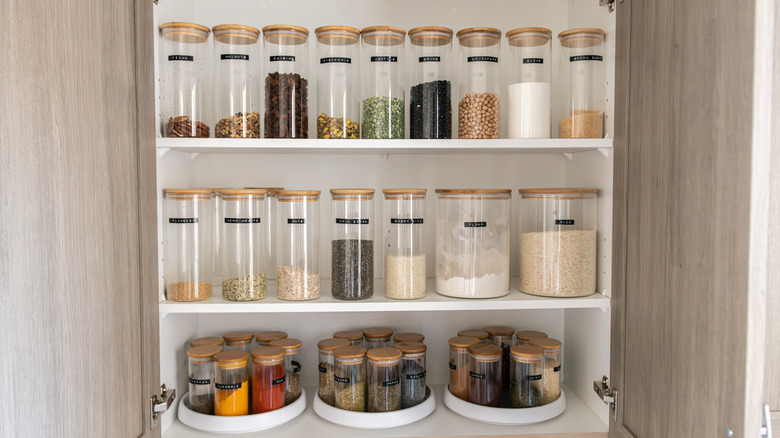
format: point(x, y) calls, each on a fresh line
point(412, 373)
point(208, 340)
point(405, 243)
point(479, 334)
point(377, 337)
point(526, 385)
point(384, 379)
point(238, 341)
point(472, 243)
point(286, 85)
point(352, 247)
point(271, 206)
point(485, 374)
point(298, 263)
point(338, 81)
point(552, 367)
point(231, 382)
point(184, 86)
point(430, 99)
point(523, 336)
point(187, 248)
point(479, 110)
point(529, 104)
point(237, 85)
point(268, 379)
point(583, 54)
point(264, 338)
point(558, 242)
point(408, 337)
point(216, 236)
point(326, 368)
point(201, 377)
point(243, 239)
point(383, 104)
point(503, 337)
point(355, 337)
point(350, 377)
point(459, 365)
point(292, 367)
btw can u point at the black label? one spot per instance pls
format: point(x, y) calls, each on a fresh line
point(533, 60)
point(536, 377)
point(476, 376)
point(482, 59)
point(200, 381)
point(277, 58)
point(453, 366)
point(352, 221)
point(384, 59)
point(556, 369)
point(183, 220)
point(429, 59)
point(564, 221)
point(296, 221)
point(322, 369)
point(235, 56)
point(242, 220)
point(339, 60)
point(296, 366)
point(415, 376)
point(391, 383)
point(405, 221)
point(475, 224)
point(341, 379)
point(278, 381)
point(181, 58)
point(227, 385)
point(585, 58)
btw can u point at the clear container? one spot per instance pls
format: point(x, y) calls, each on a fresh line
point(243, 240)
point(472, 243)
point(208, 340)
point(271, 206)
point(338, 82)
point(286, 52)
point(382, 107)
point(485, 374)
point(238, 341)
point(237, 85)
point(264, 338)
point(459, 365)
point(216, 236)
point(523, 336)
point(298, 262)
point(355, 337)
point(503, 337)
point(377, 337)
point(384, 380)
point(187, 237)
point(352, 247)
point(201, 377)
point(412, 373)
point(529, 101)
point(184, 68)
point(350, 377)
point(583, 54)
point(408, 337)
point(326, 367)
point(268, 379)
point(405, 243)
point(430, 98)
point(558, 242)
point(552, 368)
point(231, 383)
point(479, 108)
point(479, 334)
point(526, 385)
point(292, 367)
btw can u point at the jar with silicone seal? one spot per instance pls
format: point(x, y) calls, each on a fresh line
point(377, 337)
point(485, 374)
point(350, 377)
point(243, 239)
point(268, 379)
point(405, 243)
point(286, 54)
point(292, 367)
point(231, 383)
point(201, 378)
point(503, 337)
point(552, 367)
point(583, 58)
point(383, 104)
point(430, 98)
point(327, 366)
point(413, 373)
point(479, 108)
point(352, 245)
point(298, 261)
point(384, 379)
point(237, 84)
point(529, 98)
point(338, 81)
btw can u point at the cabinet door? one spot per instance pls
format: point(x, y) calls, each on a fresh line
point(80, 352)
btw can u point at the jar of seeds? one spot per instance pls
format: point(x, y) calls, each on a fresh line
point(405, 243)
point(326, 367)
point(237, 85)
point(408, 337)
point(350, 377)
point(459, 365)
point(208, 340)
point(268, 379)
point(298, 264)
point(231, 383)
point(479, 108)
point(238, 341)
point(292, 367)
point(243, 239)
point(264, 338)
point(523, 336)
point(201, 377)
point(485, 374)
point(377, 337)
point(552, 367)
point(583, 56)
point(430, 99)
point(352, 248)
point(384, 380)
point(479, 334)
point(337, 82)
point(286, 85)
point(383, 89)
point(355, 337)
point(526, 384)
point(412, 373)
point(503, 337)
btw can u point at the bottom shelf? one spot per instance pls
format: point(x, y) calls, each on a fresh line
point(577, 420)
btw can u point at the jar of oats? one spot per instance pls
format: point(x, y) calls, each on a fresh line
point(298, 264)
point(583, 55)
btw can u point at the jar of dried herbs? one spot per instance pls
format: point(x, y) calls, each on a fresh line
point(243, 238)
point(201, 377)
point(412, 373)
point(384, 379)
point(350, 377)
point(526, 384)
point(292, 367)
point(326, 367)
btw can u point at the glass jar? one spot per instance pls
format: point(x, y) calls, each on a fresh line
point(384, 379)
point(244, 265)
point(298, 263)
point(208, 340)
point(286, 51)
point(408, 337)
point(479, 334)
point(558, 242)
point(268, 379)
point(237, 85)
point(264, 338)
point(523, 336)
point(472, 243)
point(459, 365)
point(216, 236)
point(529, 97)
point(526, 376)
point(231, 383)
point(184, 69)
point(412, 373)
point(352, 248)
point(377, 337)
point(485, 374)
point(405, 243)
point(430, 99)
point(338, 79)
point(355, 337)
point(238, 341)
point(271, 205)
point(383, 104)
point(503, 337)
point(201, 377)
point(292, 367)
point(187, 249)
point(479, 110)
point(583, 52)
point(326, 367)
point(350, 377)
point(552, 367)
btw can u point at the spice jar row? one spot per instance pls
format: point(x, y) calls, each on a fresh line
point(360, 87)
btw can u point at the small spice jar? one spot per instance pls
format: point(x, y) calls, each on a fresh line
point(243, 240)
point(552, 367)
point(384, 379)
point(208, 340)
point(459, 365)
point(268, 379)
point(485, 374)
point(352, 247)
point(523, 336)
point(526, 385)
point(383, 90)
point(232, 383)
point(503, 337)
point(377, 337)
point(298, 263)
point(286, 51)
point(412, 373)
point(326, 368)
point(237, 88)
point(350, 377)
point(408, 337)
point(238, 341)
point(479, 334)
point(529, 98)
point(187, 244)
point(355, 337)
point(292, 367)
point(264, 338)
point(338, 82)
point(430, 99)
point(184, 71)
point(271, 225)
point(583, 54)
point(479, 110)
point(558, 242)
point(405, 243)
point(201, 377)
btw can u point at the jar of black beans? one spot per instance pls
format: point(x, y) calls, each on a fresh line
point(430, 100)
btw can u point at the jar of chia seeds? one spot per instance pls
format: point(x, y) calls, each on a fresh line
point(201, 377)
point(526, 384)
point(264, 338)
point(238, 341)
point(552, 367)
point(298, 261)
point(338, 82)
point(352, 247)
point(485, 374)
point(523, 336)
point(529, 97)
point(503, 337)
point(292, 367)
point(286, 52)
point(377, 337)
point(479, 109)
point(430, 99)
point(355, 337)
point(405, 243)
point(412, 373)
point(383, 104)
point(459, 365)
point(326, 368)
point(350, 377)
point(583, 58)
point(237, 85)
point(384, 380)
point(243, 240)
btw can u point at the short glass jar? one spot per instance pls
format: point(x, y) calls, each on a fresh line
point(485, 374)
point(405, 243)
point(338, 80)
point(503, 337)
point(412, 373)
point(552, 367)
point(384, 380)
point(298, 262)
point(268, 379)
point(529, 100)
point(208, 340)
point(408, 337)
point(355, 337)
point(201, 378)
point(430, 99)
point(377, 337)
point(523, 336)
point(231, 382)
point(326, 368)
point(382, 107)
point(292, 367)
point(264, 338)
point(526, 385)
point(479, 334)
point(243, 239)
point(286, 52)
point(352, 245)
point(238, 341)
point(350, 377)
point(583, 56)
point(459, 365)
point(237, 85)
point(479, 110)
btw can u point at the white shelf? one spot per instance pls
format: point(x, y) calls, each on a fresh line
point(577, 419)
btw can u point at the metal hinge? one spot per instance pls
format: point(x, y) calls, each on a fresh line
point(610, 4)
point(766, 429)
point(161, 403)
point(607, 395)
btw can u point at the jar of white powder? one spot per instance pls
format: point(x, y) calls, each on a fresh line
point(528, 106)
point(404, 243)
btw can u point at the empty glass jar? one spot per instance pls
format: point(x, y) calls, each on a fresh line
point(552, 368)
point(352, 247)
point(485, 374)
point(479, 110)
point(350, 377)
point(326, 368)
point(243, 239)
point(529, 98)
point(237, 85)
point(201, 377)
point(412, 373)
point(430, 99)
point(286, 84)
point(292, 367)
point(405, 243)
point(298, 267)
point(384, 380)
point(583, 56)
point(526, 384)
point(459, 365)
point(383, 83)
point(231, 382)
point(338, 82)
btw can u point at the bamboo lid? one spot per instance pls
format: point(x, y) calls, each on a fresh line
point(237, 336)
point(235, 34)
point(383, 35)
point(208, 340)
point(270, 336)
point(349, 352)
point(285, 34)
point(384, 354)
point(297, 195)
point(352, 192)
point(479, 37)
point(529, 334)
point(182, 32)
point(546, 343)
point(268, 353)
point(286, 343)
point(188, 194)
point(404, 193)
point(500, 330)
point(242, 194)
point(464, 341)
point(520, 352)
point(430, 36)
point(408, 337)
point(332, 344)
point(411, 347)
point(474, 191)
point(558, 191)
point(529, 36)
point(377, 332)
point(337, 35)
point(581, 38)
point(204, 351)
point(228, 358)
point(270, 191)
point(351, 335)
point(485, 350)
point(479, 334)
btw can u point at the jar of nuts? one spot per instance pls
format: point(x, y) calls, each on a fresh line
point(237, 88)
point(337, 82)
point(479, 108)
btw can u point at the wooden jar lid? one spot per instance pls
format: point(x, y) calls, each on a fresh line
point(408, 337)
point(268, 353)
point(204, 351)
point(377, 332)
point(332, 344)
point(270, 336)
point(479, 334)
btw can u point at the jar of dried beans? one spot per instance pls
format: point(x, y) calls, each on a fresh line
point(479, 110)
point(583, 56)
point(286, 52)
point(430, 99)
point(297, 265)
point(405, 243)
point(237, 85)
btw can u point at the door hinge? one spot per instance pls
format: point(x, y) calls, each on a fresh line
point(608, 395)
point(766, 429)
point(161, 403)
point(610, 4)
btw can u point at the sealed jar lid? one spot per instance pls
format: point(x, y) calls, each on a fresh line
point(546, 343)
point(479, 334)
point(479, 37)
point(474, 193)
point(188, 33)
point(349, 352)
point(378, 332)
point(351, 194)
point(384, 354)
point(483, 350)
point(500, 330)
point(411, 347)
point(270, 336)
point(285, 34)
point(526, 353)
point(298, 195)
point(269, 191)
point(242, 194)
point(408, 337)
point(352, 335)
point(464, 341)
point(188, 194)
point(581, 37)
point(530, 334)
point(204, 351)
point(208, 340)
point(404, 193)
point(337, 35)
point(383, 35)
point(268, 353)
point(430, 36)
point(236, 34)
point(529, 36)
point(237, 336)
point(286, 343)
point(559, 193)
point(231, 358)
point(331, 344)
